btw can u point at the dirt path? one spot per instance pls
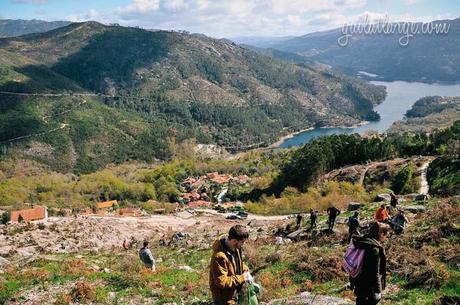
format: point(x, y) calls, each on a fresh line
point(424, 183)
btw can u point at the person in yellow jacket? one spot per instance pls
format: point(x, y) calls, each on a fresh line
point(227, 272)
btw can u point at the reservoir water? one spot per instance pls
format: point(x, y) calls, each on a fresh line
point(400, 98)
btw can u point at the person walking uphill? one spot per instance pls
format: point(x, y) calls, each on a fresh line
point(333, 212)
point(299, 219)
point(227, 272)
point(313, 217)
point(146, 256)
point(370, 282)
point(353, 226)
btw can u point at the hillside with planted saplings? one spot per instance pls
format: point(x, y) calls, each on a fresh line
point(86, 250)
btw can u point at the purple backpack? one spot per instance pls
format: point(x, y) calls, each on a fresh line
point(353, 260)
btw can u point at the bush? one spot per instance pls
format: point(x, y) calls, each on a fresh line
point(6, 217)
point(82, 291)
point(402, 181)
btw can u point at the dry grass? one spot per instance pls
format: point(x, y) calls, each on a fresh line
point(82, 291)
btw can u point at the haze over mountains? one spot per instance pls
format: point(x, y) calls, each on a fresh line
point(426, 58)
point(10, 27)
point(152, 85)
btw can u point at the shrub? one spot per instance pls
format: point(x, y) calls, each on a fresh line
point(82, 291)
point(401, 182)
point(6, 217)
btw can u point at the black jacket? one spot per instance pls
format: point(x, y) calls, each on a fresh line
point(372, 278)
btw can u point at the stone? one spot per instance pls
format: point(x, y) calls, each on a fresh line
point(415, 209)
point(383, 197)
point(4, 263)
point(354, 206)
point(186, 268)
point(298, 234)
point(422, 197)
point(307, 298)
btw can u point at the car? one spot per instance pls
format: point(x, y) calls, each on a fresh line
point(242, 214)
point(238, 215)
point(221, 210)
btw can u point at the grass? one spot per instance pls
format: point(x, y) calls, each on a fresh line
point(119, 276)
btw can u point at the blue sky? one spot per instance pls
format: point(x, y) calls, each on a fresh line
point(231, 18)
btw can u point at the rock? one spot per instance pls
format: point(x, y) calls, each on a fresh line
point(422, 197)
point(184, 214)
point(383, 197)
point(415, 209)
point(186, 268)
point(294, 234)
point(308, 298)
point(4, 263)
point(354, 206)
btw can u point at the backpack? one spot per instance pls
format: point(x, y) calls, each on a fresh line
point(353, 260)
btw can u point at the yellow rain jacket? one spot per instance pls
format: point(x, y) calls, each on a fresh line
point(223, 278)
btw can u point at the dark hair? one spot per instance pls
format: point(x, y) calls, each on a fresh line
point(377, 228)
point(146, 243)
point(238, 232)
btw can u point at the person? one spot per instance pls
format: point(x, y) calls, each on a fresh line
point(399, 222)
point(299, 218)
point(393, 201)
point(146, 256)
point(381, 214)
point(370, 282)
point(333, 212)
point(227, 272)
point(313, 218)
point(278, 242)
point(353, 226)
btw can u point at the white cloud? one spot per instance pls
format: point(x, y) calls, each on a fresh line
point(224, 18)
point(142, 6)
point(173, 5)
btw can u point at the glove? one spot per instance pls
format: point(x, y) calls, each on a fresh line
point(248, 277)
point(377, 296)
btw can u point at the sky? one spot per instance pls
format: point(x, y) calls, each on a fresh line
point(232, 18)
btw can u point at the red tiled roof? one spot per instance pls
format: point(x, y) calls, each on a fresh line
point(36, 213)
point(106, 204)
point(192, 195)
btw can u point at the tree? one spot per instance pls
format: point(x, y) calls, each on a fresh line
point(402, 181)
point(6, 217)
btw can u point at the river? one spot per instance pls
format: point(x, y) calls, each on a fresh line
point(401, 96)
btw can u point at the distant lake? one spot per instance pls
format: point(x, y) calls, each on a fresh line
point(400, 98)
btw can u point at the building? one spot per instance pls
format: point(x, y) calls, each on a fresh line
point(35, 213)
point(106, 204)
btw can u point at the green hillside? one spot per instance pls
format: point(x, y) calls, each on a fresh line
point(207, 89)
point(429, 113)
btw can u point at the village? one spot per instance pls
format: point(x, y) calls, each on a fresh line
point(207, 191)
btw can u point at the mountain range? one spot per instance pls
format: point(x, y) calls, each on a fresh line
point(427, 58)
point(18, 27)
point(104, 94)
